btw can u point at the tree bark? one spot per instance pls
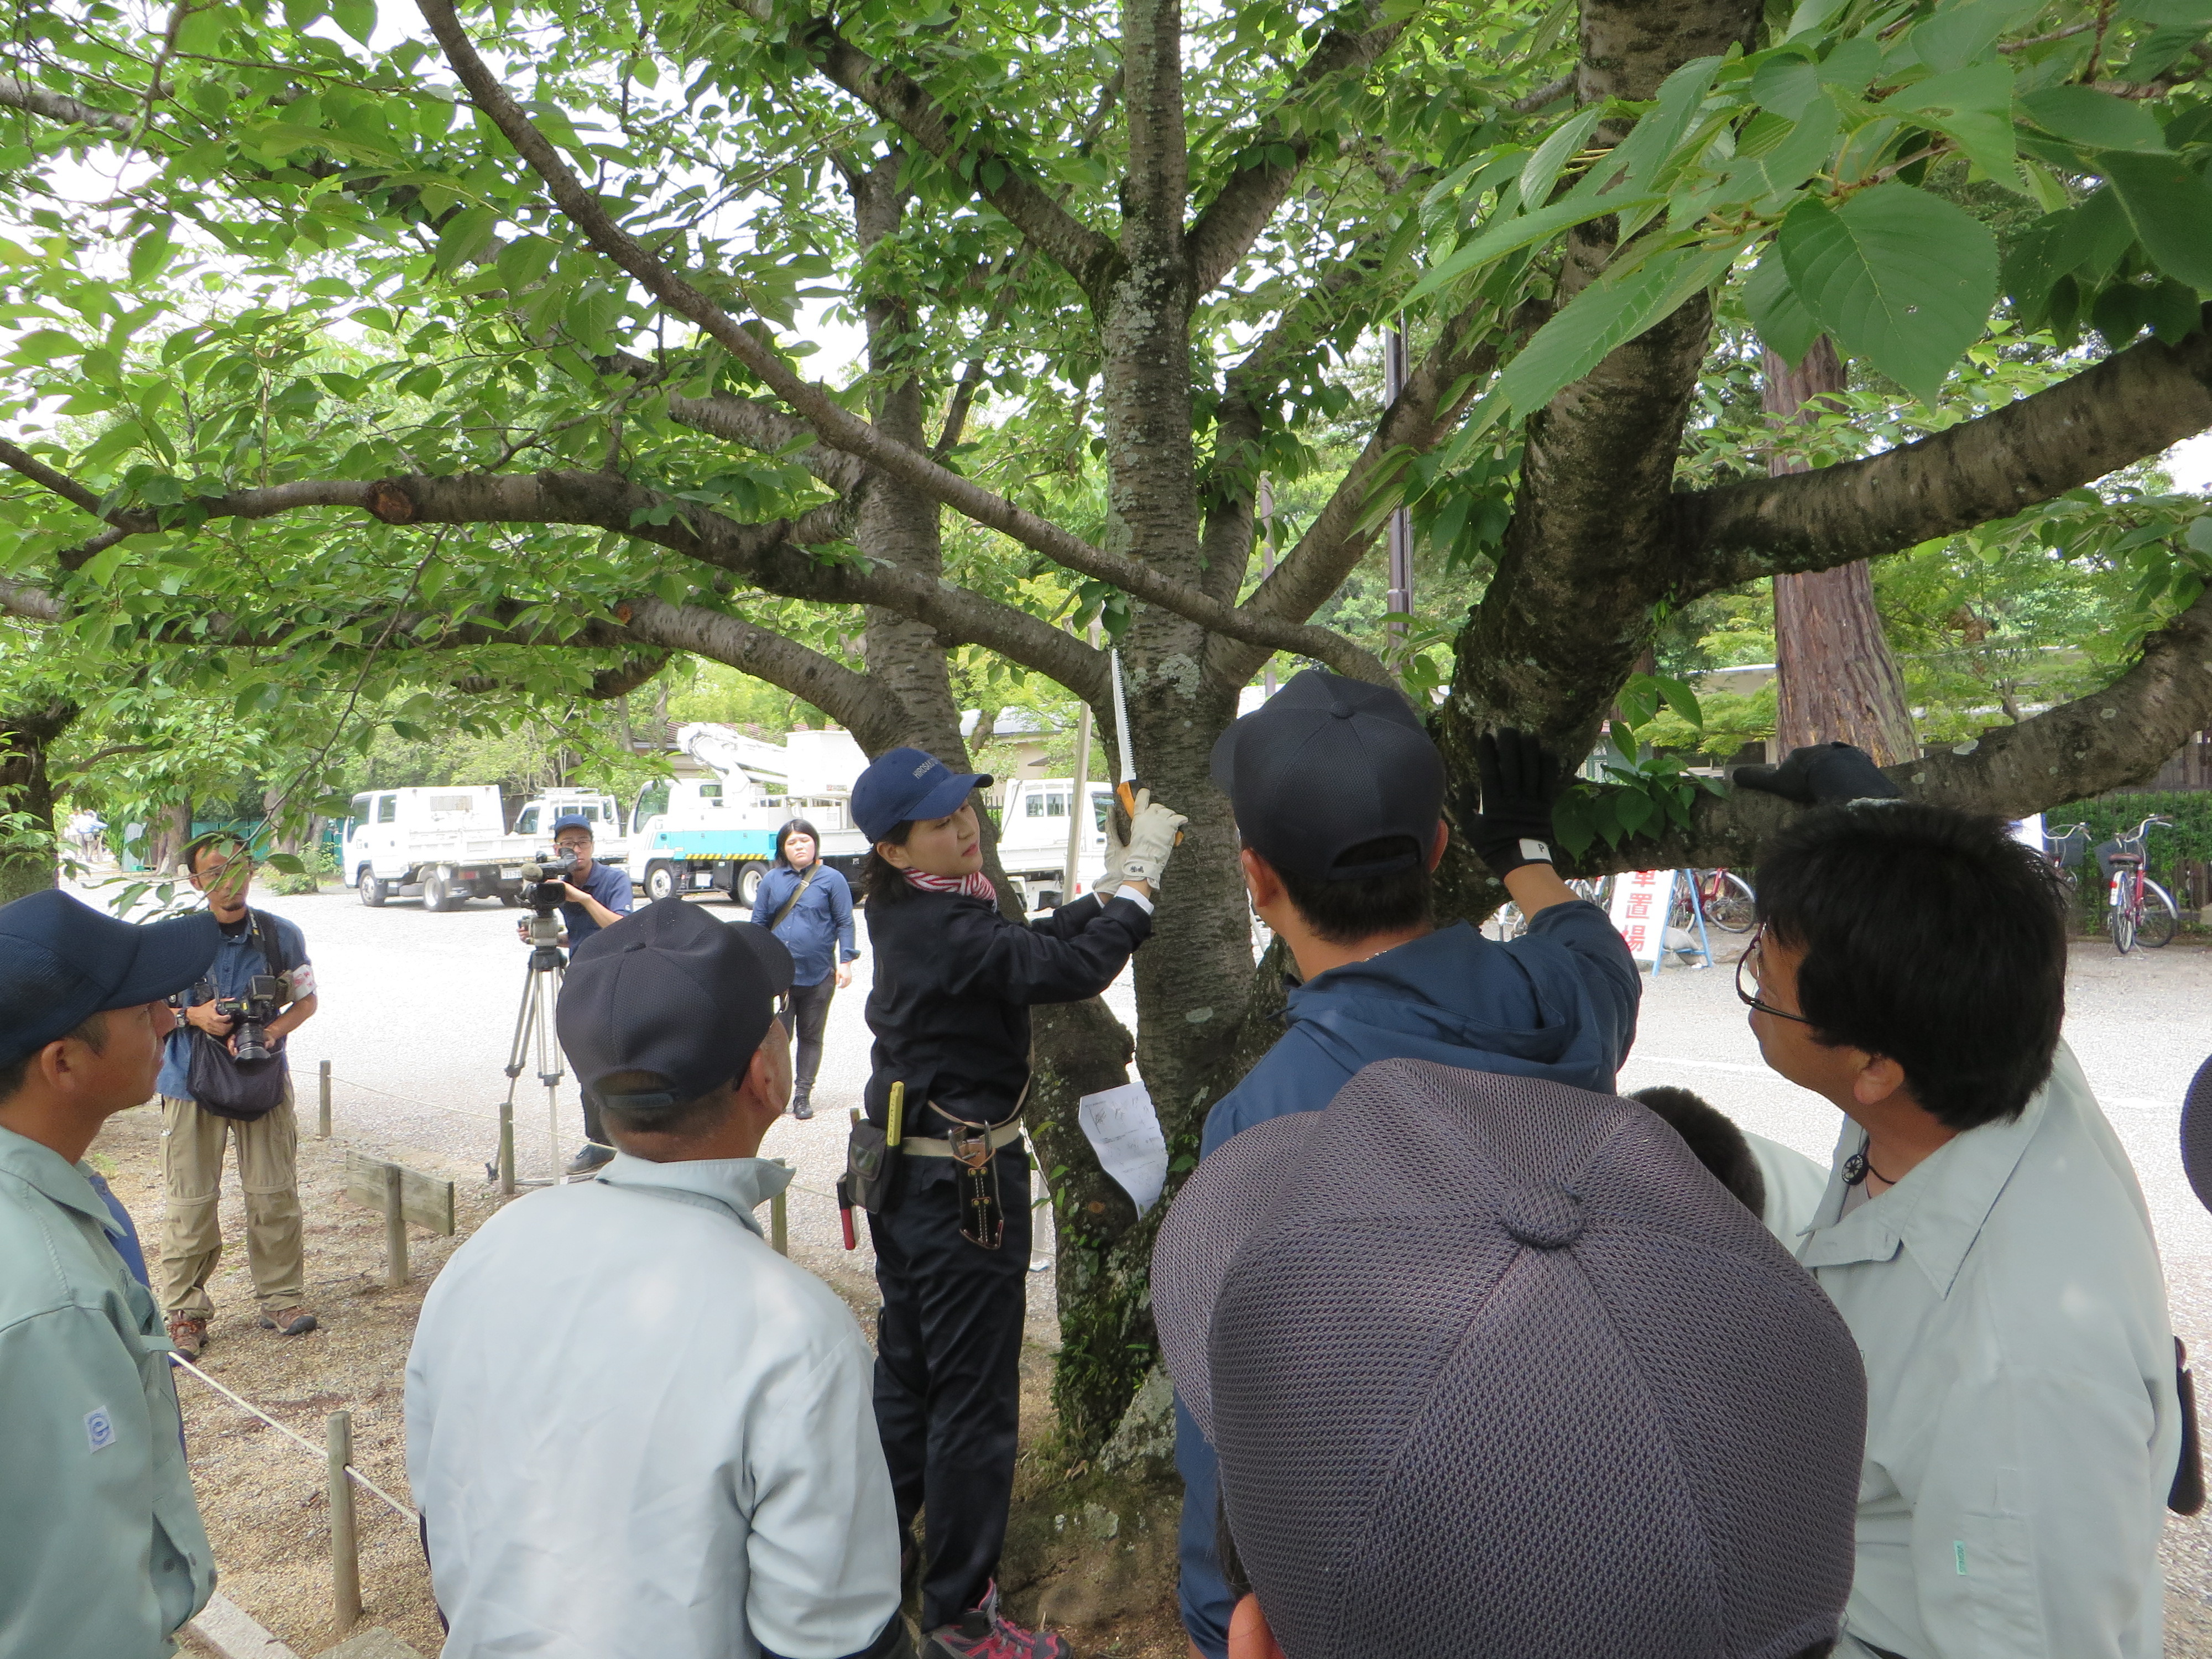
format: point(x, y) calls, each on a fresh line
point(1835, 678)
point(27, 733)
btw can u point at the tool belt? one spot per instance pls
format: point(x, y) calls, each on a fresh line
point(963, 1148)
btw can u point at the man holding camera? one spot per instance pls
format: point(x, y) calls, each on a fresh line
point(599, 896)
point(226, 1005)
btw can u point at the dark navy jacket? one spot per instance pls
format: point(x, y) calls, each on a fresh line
point(954, 984)
point(1559, 1003)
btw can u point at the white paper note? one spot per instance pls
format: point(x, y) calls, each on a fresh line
point(1124, 1130)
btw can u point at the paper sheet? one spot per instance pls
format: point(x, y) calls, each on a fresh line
point(1124, 1130)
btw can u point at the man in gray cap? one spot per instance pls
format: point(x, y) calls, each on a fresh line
point(1496, 1369)
point(635, 1431)
point(102, 1555)
point(1338, 796)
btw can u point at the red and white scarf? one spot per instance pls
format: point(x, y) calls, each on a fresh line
point(975, 883)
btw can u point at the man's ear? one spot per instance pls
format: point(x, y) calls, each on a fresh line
point(1878, 1080)
point(1442, 840)
point(1249, 1635)
point(1261, 880)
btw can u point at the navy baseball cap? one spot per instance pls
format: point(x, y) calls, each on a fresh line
point(61, 962)
point(1328, 764)
point(573, 821)
point(906, 786)
point(671, 991)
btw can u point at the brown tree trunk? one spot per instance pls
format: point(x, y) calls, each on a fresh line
point(166, 838)
point(1835, 678)
point(27, 865)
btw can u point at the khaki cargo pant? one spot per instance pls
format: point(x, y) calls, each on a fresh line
point(192, 1230)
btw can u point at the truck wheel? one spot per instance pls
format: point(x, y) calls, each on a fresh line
point(746, 890)
point(508, 901)
point(659, 882)
point(435, 896)
point(373, 892)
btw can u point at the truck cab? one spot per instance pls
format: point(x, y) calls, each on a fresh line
point(1033, 825)
point(445, 843)
point(536, 820)
point(703, 834)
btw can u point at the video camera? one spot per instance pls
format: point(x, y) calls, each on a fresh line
point(251, 1014)
point(545, 878)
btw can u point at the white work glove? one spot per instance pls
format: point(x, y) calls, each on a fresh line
point(1117, 851)
point(1151, 838)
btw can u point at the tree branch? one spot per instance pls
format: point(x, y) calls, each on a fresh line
point(837, 425)
point(18, 94)
point(39, 473)
point(1087, 256)
point(851, 699)
point(2135, 404)
point(1225, 230)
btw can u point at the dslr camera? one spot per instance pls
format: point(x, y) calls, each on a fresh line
point(249, 1016)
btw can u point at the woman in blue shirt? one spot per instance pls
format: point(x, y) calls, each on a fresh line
point(807, 905)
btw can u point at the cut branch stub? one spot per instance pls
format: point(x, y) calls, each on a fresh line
point(390, 502)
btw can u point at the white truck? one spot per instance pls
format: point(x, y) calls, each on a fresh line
point(1033, 839)
point(718, 834)
point(450, 843)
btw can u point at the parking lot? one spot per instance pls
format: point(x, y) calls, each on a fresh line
point(418, 1010)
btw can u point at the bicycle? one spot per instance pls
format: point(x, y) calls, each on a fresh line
point(2138, 909)
point(1726, 897)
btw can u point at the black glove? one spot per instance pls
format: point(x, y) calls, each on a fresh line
point(1521, 783)
point(1821, 774)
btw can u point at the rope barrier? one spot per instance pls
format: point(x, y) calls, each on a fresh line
point(305, 1445)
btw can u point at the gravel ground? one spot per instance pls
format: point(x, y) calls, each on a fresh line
point(418, 1011)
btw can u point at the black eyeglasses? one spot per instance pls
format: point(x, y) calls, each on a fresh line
point(1747, 981)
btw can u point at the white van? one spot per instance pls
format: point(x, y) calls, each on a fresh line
point(447, 843)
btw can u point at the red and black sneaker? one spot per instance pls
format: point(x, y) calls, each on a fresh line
point(983, 1632)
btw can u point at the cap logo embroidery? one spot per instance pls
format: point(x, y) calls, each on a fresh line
point(925, 768)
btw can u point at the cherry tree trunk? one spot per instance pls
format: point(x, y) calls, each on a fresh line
point(28, 866)
point(1835, 676)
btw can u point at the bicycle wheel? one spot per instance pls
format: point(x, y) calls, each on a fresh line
point(2121, 918)
point(1734, 907)
point(2160, 917)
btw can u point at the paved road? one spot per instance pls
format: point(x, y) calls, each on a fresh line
point(417, 1011)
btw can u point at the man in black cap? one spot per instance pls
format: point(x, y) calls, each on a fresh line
point(633, 1429)
point(102, 1555)
point(1339, 797)
point(1496, 1369)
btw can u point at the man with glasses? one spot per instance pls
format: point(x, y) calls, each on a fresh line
point(599, 896)
point(1982, 1231)
point(255, 942)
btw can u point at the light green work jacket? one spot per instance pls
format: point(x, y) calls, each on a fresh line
point(102, 1555)
point(2022, 1429)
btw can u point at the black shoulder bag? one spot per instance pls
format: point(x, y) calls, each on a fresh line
point(218, 1080)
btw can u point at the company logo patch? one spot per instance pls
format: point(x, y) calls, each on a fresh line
point(926, 768)
point(99, 1429)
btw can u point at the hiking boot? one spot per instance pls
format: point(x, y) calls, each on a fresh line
point(287, 1322)
point(983, 1633)
point(593, 1158)
point(187, 1336)
point(802, 1109)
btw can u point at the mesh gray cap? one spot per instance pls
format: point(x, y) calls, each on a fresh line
point(1495, 1369)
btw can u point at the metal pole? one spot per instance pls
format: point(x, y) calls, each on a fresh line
point(1400, 600)
point(395, 1229)
point(1078, 804)
point(1268, 561)
point(779, 1218)
point(345, 1548)
point(323, 1109)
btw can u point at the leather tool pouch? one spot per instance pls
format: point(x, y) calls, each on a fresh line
point(871, 1164)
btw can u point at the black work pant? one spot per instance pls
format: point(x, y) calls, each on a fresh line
point(807, 1011)
point(948, 1372)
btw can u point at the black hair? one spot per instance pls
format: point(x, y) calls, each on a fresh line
point(1346, 912)
point(200, 844)
point(797, 827)
point(882, 882)
point(1931, 938)
point(686, 1118)
point(91, 1030)
point(1718, 1143)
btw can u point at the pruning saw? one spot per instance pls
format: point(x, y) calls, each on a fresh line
point(1125, 756)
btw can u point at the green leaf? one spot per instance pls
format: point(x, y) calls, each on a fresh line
point(2172, 310)
point(2168, 14)
point(1681, 699)
point(150, 255)
point(1785, 83)
point(1635, 162)
point(2171, 207)
point(1612, 310)
point(524, 261)
point(2118, 314)
point(1958, 35)
point(466, 235)
point(1554, 153)
point(2200, 533)
point(356, 18)
point(45, 345)
point(1784, 326)
point(1974, 106)
point(2086, 116)
point(1782, 166)
point(1900, 277)
point(1522, 230)
point(2159, 52)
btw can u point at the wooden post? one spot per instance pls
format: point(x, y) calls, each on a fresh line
point(395, 1229)
point(345, 1547)
point(322, 1106)
point(506, 1148)
point(779, 1218)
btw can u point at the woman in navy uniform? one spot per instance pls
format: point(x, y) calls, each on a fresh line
point(954, 984)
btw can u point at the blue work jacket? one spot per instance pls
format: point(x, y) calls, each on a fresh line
point(819, 931)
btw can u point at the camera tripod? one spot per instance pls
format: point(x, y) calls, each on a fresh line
point(535, 1038)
